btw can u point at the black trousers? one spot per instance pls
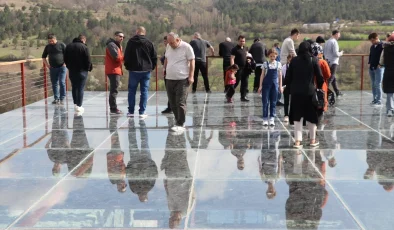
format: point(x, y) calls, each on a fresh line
point(257, 75)
point(230, 91)
point(114, 81)
point(242, 77)
point(78, 81)
point(286, 95)
point(201, 67)
point(168, 103)
point(333, 79)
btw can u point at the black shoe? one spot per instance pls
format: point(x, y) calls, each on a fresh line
point(279, 104)
point(209, 91)
point(194, 91)
point(55, 102)
point(116, 112)
point(167, 111)
point(245, 99)
point(255, 90)
point(340, 94)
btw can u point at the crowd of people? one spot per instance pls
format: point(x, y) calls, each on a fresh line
point(301, 76)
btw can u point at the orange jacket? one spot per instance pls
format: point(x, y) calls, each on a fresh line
point(113, 58)
point(325, 69)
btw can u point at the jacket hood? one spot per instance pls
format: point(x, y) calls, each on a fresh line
point(138, 38)
point(77, 40)
point(389, 47)
point(112, 40)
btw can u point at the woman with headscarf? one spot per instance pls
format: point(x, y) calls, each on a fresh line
point(303, 72)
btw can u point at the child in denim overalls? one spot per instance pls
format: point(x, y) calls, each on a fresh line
point(270, 85)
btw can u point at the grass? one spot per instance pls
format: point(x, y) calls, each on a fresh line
point(349, 44)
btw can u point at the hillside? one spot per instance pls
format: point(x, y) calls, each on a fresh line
point(24, 24)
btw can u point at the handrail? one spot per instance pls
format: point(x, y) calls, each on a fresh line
point(20, 61)
point(102, 56)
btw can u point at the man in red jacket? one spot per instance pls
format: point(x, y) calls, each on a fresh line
point(113, 68)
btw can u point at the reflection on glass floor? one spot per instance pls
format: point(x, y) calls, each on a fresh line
point(61, 171)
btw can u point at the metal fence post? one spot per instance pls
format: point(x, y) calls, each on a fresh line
point(157, 78)
point(362, 73)
point(23, 84)
point(45, 81)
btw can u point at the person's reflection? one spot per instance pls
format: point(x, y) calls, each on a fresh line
point(115, 164)
point(329, 137)
point(58, 145)
point(241, 140)
point(198, 142)
point(381, 164)
point(141, 170)
point(307, 192)
point(269, 163)
point(178, 180)
point(228, 133)
point(80, 157)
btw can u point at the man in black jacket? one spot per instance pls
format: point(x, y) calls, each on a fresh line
point(225, 52)
point(259, 53)
point(78, 62)
point(140, 59)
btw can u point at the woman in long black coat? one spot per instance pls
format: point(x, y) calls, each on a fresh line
point(303, 71)
point(387, 62)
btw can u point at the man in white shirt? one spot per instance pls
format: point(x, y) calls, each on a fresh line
point(288, 46)
point(179, 65)
point(332, 54)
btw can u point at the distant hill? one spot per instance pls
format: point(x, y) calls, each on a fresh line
point(24, 24)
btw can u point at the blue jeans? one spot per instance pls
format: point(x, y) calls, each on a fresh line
point(376, 82)
point(269, 97)
point(135, 78)
point(78, 82)
point(58, 77)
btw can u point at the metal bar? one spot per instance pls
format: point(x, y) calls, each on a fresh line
point(362, 73)
point(157, 78)
point(45, 81)
point(23, 84)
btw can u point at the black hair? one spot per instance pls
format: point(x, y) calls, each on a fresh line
point(51, 36)
point(335, 32)
point(294, 31)
point(240, 37)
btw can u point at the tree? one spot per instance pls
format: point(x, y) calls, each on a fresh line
point(38, 43)
point(134, 12)
point(15, 42)
point(126, 11)
point(13, 5)
point(23, 8)
point(31, 43)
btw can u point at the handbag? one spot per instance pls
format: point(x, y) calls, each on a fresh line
point(318, 94)
point(318, 98)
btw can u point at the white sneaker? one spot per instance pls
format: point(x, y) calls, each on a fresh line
point(272, 121)
point(286, 119)
point(75, 107)
point(80, 109)
point(178, 128)
point(143, 116)
point(79, 114)
point(265, 122)
point(130, 114)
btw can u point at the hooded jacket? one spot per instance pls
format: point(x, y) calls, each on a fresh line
point(77, 57)
point(388, 62)
point(113, 58)
point(140, 54)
